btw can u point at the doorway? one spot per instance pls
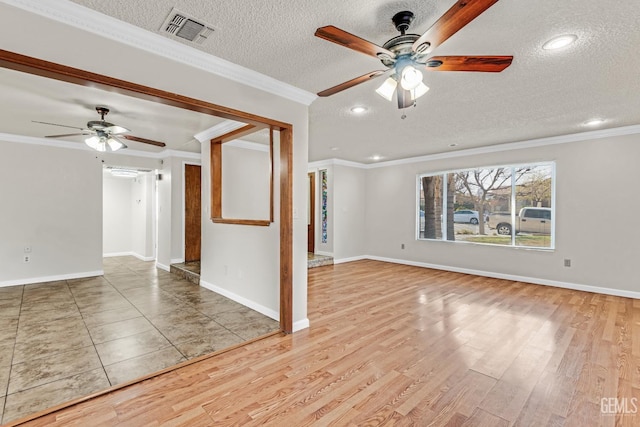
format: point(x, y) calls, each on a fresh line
point(311, 214)
point(192, 212)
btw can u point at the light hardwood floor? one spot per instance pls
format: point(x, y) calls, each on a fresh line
point(399, 345)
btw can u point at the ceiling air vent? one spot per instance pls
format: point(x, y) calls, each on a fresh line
point(181, 25)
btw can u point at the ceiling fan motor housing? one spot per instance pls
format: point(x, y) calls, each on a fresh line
point(98, 124)
point(402, 20)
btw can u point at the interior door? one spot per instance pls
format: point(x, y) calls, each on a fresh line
point(192, 212)
point(311, 223)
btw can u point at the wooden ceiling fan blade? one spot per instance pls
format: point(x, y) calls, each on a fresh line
point(66, 134)
point(352, 83)
point(143, 140)
point(459, 15)
point(350, 41)
point(487, 64)
point(56, 124)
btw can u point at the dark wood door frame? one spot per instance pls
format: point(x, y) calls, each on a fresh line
point(39, 67)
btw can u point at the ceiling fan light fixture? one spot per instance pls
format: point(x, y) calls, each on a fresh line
point(102, 146)
point(420, 90)
point(410, 78)
point(92, 142)
point(115, 145)
point(387, 89)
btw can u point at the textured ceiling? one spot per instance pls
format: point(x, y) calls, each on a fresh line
point(543, 93)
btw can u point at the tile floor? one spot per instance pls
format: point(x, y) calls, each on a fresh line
point(67, 339)
point(316, 260)
point(187, 270)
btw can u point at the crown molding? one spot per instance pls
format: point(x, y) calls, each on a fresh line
point(520, 145)
point(86, 19)
point(56, 143)
point(339, 162)
point(217, 130)
point(176, 153)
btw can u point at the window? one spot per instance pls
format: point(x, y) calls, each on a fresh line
point(502, 205)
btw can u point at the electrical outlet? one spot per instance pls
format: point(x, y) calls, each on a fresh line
point(26, 258)
point(567, 263)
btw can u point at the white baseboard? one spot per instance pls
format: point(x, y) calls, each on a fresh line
point(30, 280)
point(177, 261)
point(115, 254)
point(162, 266)
point(300, 325)
point(534, 280)
point(143, 258)
point(355, 258)
point(324, 253)
point(133, 254)
point(242, 300)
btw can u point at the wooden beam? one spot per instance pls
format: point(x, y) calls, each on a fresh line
point(286, 230)
point(216, 180)
point(238, 133)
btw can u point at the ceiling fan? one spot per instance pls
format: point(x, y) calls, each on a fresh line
point(105, 136)
point(405, 54)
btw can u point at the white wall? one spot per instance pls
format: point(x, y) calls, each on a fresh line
point(251, 254)
point(595, 185)
point(116, 223)
point(349, 212)
point(165, 200)
point(51, 200)
point(177, 211)
point(142, 215)
point(245, 183)
point(128, 215)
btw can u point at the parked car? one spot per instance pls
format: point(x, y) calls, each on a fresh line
point(467, 216)
point(528, 220)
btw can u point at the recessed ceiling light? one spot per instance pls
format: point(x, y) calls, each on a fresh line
point(376, 157)
point(453, 145)
point(335, 148)
point(594, 122)
point(358, 109)
point(560, 42)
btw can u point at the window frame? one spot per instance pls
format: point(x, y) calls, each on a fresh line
point(513, 166)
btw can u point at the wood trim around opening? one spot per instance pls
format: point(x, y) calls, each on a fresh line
point(286, 227)
point(216, 178)
point(39, 67)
